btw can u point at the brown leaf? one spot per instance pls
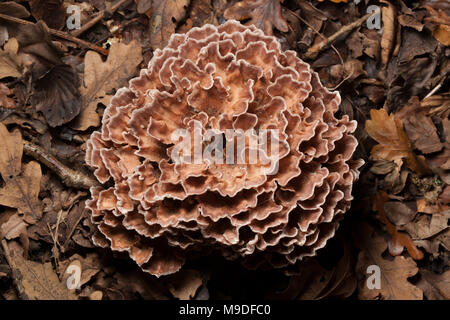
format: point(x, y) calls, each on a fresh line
point(437, 105)
point(408, 20)
point(394, 274)
point(388, 14)
point(102, 77)
point(57, 96)
point(10, 63)
point(166, 14)
point(21, 190)
point(435, 286)
point(51, 11)
point(420, 128)
point(399, 213)
point(184, 284)
point(442, 24)
point(5, 101)
point(264, 14)
point(39, 281)
point(425, 227)
point(388, 131)
point(12, 225)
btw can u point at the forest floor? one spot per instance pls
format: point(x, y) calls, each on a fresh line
point(391, 68)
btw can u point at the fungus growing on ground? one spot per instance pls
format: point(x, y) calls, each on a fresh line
point(270, 213)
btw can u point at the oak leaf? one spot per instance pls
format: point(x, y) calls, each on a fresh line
point(100, 78)
point(39, 281)
point(22, 184)
point(264, 14)
point(166, 14)
point(394, 144)
point(435, 286)
point(393, 274)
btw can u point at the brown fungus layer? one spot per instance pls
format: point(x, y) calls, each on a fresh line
point(225, 77)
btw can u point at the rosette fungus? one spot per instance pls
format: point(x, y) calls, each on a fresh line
point(218, 78)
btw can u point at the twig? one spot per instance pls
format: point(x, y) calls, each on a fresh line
point(15, 273)
point(318, 47)
point(60, 34)
point(98, 18)
point(70, 177)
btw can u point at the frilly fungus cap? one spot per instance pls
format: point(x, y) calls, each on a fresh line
point(217, 78)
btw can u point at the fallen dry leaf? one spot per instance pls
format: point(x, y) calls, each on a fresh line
point(22, 185)
point(10, 63)
point(57, 96)
point(399, 213)
point(394, 144)
point(425, 227)
point(435, 286)
point(442, 24)
point(11, 225)
point(394, 274)
point(264, 14)
point(39, 281)
point(102, 77)
point(5, 101)
point(419, 128)
point(165, 16)
point(389, 18)
point(51, 11)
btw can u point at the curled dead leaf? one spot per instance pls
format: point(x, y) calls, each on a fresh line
point(264, 14)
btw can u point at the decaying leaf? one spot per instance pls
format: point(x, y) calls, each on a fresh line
point(394, 274)
point(39, 281)
point(57, 95)
point(419, 128)
point(22, 184)
point(442, 24)
point(100, 78)
point(388, 14)
point(435, 286)
point(5, 101)
point(166, 14)
point(11, 225)
point(399, 213)
point(51, 11)
point(394, 144)
point(264, 14)
point(10, 63)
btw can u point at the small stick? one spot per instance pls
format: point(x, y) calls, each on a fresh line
point(15, 273)
point(60, 34)
point(70, 177)
point(314, 51)
point(98, 18)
